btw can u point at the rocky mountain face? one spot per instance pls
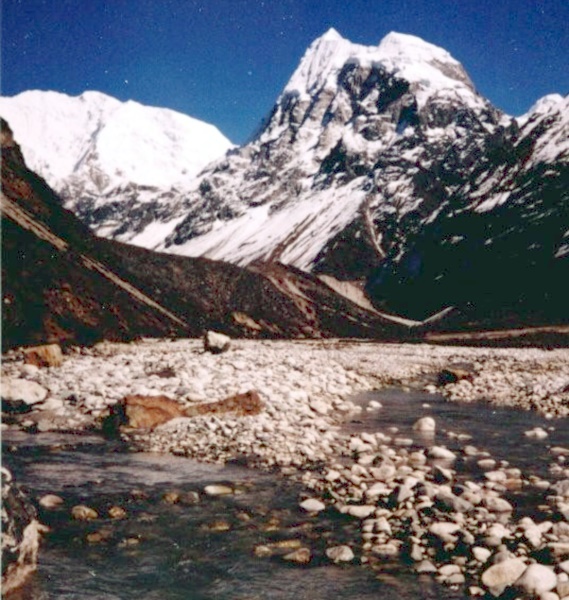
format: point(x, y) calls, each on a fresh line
point(62, 284)
point(382, 165)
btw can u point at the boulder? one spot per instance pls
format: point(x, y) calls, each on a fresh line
point(302, 556)
point(216, 343)
point(425, 425)
point(453, 375)
point(84, 513)
point(339, 554)
point(21, 535)
point(49, 355)
point(142, 412)
point(148, 412)
point(503, 575)
point(19, 395)
point(218, 490)
point(441, 453)
point(445, 531)
point(537, 579)
point(312, 505)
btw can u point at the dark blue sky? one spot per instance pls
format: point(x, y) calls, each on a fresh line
point(225, 61)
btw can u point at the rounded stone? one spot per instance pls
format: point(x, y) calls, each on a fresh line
point(116, 512)
point(218, 490)
point(425, 425)
point(51, 501)
point(83, 513)
point(312, 505)
point(537, 579)
point(340, 554)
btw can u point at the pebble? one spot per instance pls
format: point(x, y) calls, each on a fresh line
point(51, 501)
point(84, 513)
point(339, 554)
point(301, 556)
point(425, 425)
point(312, 505)
point(218, 490)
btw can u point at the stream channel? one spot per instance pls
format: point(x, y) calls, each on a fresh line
point(204, 549)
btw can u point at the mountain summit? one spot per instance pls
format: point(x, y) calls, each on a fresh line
point(380, 164)
point(423, 65)
point(97, 151)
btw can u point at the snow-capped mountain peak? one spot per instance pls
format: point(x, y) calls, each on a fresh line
point(424, 65)
point(419, 61)
point(105, 143)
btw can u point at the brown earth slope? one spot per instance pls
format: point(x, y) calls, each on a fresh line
point(62, 284)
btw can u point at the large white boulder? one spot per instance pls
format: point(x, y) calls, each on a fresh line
point(216, 343)
point(537, 579)
point(30, 392)
point(502, 575)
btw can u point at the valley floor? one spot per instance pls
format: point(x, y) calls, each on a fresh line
point(412, 495)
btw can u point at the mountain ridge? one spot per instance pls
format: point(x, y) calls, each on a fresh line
point(371, 161)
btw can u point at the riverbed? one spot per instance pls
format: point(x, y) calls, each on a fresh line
point(337, 427)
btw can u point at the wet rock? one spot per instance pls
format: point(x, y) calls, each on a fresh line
point(339, 554)
point(537, 579)
point(171, 497)
point(537, 433)
point(99, 537)
point(219, 526)
point(426, 566)
point(453, 375)
point(501, 576)
point(189, 498)
point(48, 355)
point(21, 535)
point(276, 548)
point(117, 512)
point(302, 556)
point(216, 343)
point(312, 505)
point(442, 453)
point(497, 505)
point(425, 425)
point(51, 501)
point(218, 490)
point(83, 513)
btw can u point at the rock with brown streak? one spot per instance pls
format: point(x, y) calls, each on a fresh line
point(241, 405)
point(147, 412)
point(48, 355)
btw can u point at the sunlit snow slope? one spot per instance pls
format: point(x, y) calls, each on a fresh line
point(95, 150)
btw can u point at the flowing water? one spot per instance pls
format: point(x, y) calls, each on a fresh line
point(205, 550)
